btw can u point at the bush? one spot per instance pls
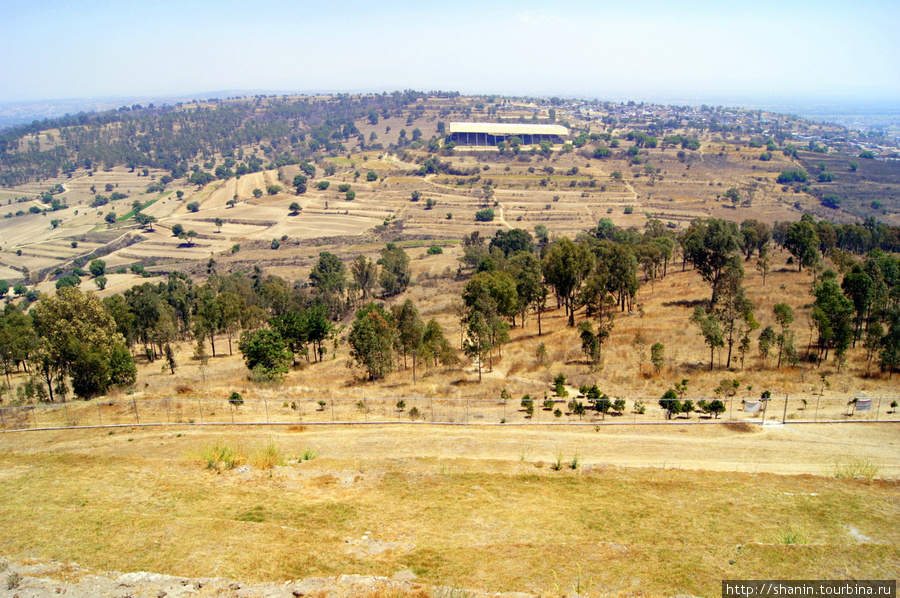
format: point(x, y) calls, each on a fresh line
point(344, 187)
point(832, 201)
point(221, 455)
point(629, 209)
point(485, 215)
point(323, 185)
point(371, 176)
point(236, 399)
point(351, 195)
point(268, 456)
point(194, 206)
point(791, 176)
point(559, 386)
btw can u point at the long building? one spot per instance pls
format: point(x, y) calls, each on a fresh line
point(494, 133)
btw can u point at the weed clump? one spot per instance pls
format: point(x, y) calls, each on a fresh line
point(856, 468)
point(268, 456)
point(221, 456)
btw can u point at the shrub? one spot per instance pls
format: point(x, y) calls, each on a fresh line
point(485, 215)
point(194, 206)
point(351, 195)
point(236, 399)
point(268, 456)
point(220, 455)
point(830, 200)
point(435, 250)
point(629, 209)
point(344, 187)
point(791, 176)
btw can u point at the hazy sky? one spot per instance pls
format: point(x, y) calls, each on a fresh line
point(647, 50)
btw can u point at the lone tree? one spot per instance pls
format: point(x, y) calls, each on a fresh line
point(78, 340)
point(669, 401)
point(658, 356)
point(803, 243)
point(709, 245)
point(371, 341)
point(265, 354)
point(710, 330)
point(566, 266)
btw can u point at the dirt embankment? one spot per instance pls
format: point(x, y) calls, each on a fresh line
point(49, 580)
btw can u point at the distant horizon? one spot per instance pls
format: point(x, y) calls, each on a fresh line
point(807, 107)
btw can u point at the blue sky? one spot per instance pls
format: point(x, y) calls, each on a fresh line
point(650, 50)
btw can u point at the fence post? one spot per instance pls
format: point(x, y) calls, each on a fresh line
point(816, 415)
point(34, 415)
point(3, 419)
point(231, 409)
point(332, 409)
point(66, 409)
point(878, 409)
point(168, 419)
point(784, 415)
point(136, 416)
point(731, 409)
point(266, 405)
point(200, 410)
point(99, 413)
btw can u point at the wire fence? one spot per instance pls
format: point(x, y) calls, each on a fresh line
point(208, 411)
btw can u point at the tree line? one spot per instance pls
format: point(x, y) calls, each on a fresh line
point(73, 342)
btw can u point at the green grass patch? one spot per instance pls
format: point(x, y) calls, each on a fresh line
point(133, 212)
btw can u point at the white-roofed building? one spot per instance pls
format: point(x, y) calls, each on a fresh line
point(494, 133)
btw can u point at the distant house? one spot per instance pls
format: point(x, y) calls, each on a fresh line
point(493, 133)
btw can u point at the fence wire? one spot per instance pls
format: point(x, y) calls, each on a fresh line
point(137, 411)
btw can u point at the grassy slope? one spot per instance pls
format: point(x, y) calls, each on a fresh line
point(498, 526)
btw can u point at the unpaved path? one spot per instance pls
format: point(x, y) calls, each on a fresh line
point(781, 449)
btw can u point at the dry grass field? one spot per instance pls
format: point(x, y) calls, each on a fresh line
point(459, 510)
point(523, 506)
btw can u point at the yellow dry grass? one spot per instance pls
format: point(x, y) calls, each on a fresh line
point(492, 525)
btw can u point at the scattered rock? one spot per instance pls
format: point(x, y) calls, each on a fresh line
point(857, 535)
point(405, 575)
